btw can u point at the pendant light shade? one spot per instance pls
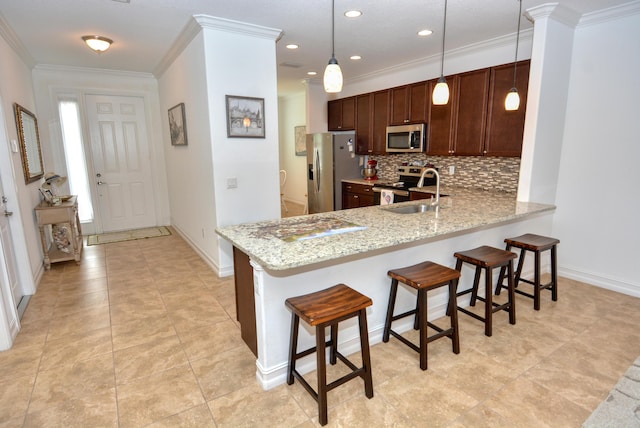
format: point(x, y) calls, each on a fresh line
point(440, 94)
point(332, 74)
point(512, 101)
point(97, 43)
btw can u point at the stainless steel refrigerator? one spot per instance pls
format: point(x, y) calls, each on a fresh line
point(330, 159)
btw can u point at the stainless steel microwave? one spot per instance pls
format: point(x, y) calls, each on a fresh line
point(406, 138)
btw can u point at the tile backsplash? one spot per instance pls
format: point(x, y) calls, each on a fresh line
point(491, 173)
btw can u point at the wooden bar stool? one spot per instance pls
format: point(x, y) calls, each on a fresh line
point(536, 244)
point(423, 277)
point(488, 258)
point(327, 308)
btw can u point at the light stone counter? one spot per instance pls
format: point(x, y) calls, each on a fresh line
point(462, 211)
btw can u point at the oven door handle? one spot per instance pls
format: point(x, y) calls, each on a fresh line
point(395, 191)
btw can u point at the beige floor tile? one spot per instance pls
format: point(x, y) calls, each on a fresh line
point(157, 355)
point(364, 412)
point(15, 393)
point(253, 407)
point(76, 347)
point(80, 321)
point(22, 361)
point(195, 314)
point(87, 381)
point(154, 398)
point(137, 307)
point(140, 331)
point(225, 372)
point(210, 340)
point(97, 410)
point(527, 404)
point(197, 417)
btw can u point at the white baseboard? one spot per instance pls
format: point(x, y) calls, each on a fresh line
point(208, 260)
point(601, 281)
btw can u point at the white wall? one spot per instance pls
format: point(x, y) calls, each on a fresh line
point(597, 195)
point(292, 113)
point(207, 69)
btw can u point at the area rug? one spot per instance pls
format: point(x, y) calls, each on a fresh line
point(127, 235)
point(621, 409)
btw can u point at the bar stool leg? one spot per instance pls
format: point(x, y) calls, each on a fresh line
point(453, 287)
point(512, 294)
point(295, 320)
point(322, 373)
point(518, 273)
point(422, 319)
point(488, 304)
point(536, 281)
point(333, 351)
point(476, 283)
point(366, 357)
point(554, 275)
point(392, 303)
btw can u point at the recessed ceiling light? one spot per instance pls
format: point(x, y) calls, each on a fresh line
point(355, 57)
point(352, 13)
point(424, 33)
point(311, 73)
point(292, 46)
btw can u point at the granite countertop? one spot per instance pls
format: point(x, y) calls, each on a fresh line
point(305, 240)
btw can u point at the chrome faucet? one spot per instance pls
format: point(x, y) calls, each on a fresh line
point(421, 182)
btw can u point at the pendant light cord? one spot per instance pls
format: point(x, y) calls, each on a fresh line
point(333, 29)
point(515, 61)
point(444, 30)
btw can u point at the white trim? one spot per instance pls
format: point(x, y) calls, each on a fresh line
point(608, 283)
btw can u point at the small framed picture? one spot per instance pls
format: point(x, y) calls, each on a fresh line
point(245, 117)
point(178, 125)
point(300, 135)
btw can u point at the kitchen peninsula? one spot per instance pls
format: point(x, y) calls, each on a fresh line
point(278, 259)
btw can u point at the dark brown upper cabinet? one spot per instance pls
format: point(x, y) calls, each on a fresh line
point(409, 104)
point(342, 114)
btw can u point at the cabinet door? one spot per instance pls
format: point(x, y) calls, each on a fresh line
point(399, 105)
point(419, 97)
point(341, 114)
point(471, 113)
point(505, 129)
point(363, 124)
point(440, 121)
point(380, 117)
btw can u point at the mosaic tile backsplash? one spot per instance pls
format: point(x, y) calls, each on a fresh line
point(490, 173)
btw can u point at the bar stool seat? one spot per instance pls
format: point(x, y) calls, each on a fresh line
point(536, 244)
point(488, 258)
point(423, 277)
point(321, 309)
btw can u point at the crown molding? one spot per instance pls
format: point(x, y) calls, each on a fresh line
point(555, 11)
point(610, 14)
point(497, 42)
point(7, 33)
point(88, 70)
point(199, 22)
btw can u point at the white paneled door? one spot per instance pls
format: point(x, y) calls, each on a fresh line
point(10, 291)
point(121, 163)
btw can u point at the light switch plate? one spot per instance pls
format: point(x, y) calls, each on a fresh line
point(14, 146)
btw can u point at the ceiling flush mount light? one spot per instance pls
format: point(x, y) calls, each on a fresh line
point(512, 101)
point(332, 74)
point(97, 43)
point(352, 13)
point(441, 91)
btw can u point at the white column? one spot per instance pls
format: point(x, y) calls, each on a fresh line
point(547, 101)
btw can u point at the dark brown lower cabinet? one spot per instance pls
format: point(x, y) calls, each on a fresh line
point(245, 300)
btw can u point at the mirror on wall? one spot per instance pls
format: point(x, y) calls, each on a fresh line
point(29, 144)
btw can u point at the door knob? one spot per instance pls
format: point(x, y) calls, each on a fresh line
point(8, 213)
point(100, 183)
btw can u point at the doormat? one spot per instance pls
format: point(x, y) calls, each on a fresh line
point(622, 406)
point(127, 235)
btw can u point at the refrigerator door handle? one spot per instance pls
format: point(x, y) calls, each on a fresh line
point(317, 168)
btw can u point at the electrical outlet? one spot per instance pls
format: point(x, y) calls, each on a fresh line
point(452, 169)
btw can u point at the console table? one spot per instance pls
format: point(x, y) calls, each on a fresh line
point(66, 234)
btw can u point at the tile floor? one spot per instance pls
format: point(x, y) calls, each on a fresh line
point(142, 333)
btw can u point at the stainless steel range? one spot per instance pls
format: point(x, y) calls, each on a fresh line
point(408, 178)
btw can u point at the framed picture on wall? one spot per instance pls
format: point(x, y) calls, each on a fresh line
point(300, 134)
point(178, 125)
point(245, 117)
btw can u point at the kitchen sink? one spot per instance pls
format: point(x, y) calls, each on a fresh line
point(411, 209)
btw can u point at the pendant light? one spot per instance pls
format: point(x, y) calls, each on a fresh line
point(512, 101)
point(441, 91)
point(332, 74)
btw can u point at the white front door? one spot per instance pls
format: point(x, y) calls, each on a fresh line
point(121, 163)
point(10, 290)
